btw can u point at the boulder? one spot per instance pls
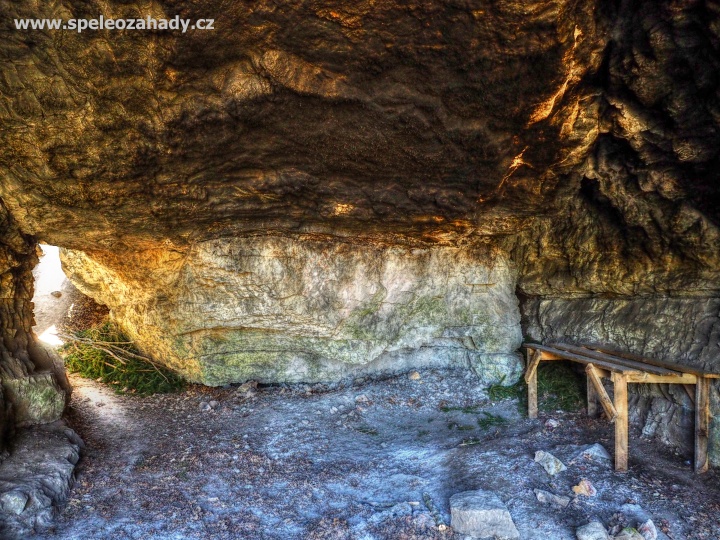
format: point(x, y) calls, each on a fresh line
point(36, 399)
point(481, 514)
point(592, 531)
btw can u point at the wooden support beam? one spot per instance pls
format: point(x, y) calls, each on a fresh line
point(556, 354)
point(592, 399)
point(702, 424)
point(681, 378)
point(690, 391)
point(531, 380)
point(532, 365)
point(594, 379)
point(652, 361)
point(612, 359)
point(621, 421)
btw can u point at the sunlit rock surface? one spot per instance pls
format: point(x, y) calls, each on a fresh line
point(296, 309)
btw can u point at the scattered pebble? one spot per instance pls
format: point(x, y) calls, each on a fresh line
point(648, 530)
point(585, 488)
point(550, 463)
point(550, 498)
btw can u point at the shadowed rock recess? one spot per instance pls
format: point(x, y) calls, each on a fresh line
point(316, 190)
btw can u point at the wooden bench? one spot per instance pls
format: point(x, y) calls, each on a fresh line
point(623, 368)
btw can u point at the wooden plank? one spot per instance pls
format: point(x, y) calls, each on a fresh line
point(597, 355)
point(605, 401)
point(702, 424)
point(690, 391)
point(682, 378)
point(550, 353)
point(621, 421)
point(660, 363)
point(592, 400)
point(532, 383)
point(532, 365)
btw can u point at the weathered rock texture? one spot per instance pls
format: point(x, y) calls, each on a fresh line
point(384, 140)
point(36, 478)
point(311, 308)
point(33, 387)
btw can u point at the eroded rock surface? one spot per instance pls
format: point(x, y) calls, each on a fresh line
point(297, 309)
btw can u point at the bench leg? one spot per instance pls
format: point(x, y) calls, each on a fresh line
point(621, 421)
point(702, 423)
point(592, 398)
point(532, 394)
point(533, 360)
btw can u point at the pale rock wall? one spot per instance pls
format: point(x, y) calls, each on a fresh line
point(309, 308)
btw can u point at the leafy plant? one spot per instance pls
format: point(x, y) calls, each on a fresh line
point(103, 353)
point(498, 392)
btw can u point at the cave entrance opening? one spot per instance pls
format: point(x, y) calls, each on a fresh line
point(59, 307)
point(53, 290)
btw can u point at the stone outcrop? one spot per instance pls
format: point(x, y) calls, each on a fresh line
point(34, 387)
point(310, 308)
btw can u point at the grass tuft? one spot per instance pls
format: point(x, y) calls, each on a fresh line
point(559, 388)
point(489, 420)
point(367, 430)
point(103, 353)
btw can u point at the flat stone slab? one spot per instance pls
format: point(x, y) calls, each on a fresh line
point(550, 463)
point(592, 531)
point(481, 514)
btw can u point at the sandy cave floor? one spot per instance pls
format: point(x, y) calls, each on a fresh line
point(347, 461)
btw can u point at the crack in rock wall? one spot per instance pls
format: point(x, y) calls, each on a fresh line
point(309, 308)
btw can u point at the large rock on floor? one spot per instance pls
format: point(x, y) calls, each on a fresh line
point(36, 478)
point(289, 309)
point(481, 514)
point(36, 399)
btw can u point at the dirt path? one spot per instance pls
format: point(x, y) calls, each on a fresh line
point(349, 462)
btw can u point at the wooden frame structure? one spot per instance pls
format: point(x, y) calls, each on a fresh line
point(623, 369)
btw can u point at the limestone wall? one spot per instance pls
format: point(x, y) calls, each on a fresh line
point(282, 308)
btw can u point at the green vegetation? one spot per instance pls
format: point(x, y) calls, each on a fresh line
point(559, 388)
point(489, 420)
point(103, 353)
point(367, 430)
point(498, 392)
